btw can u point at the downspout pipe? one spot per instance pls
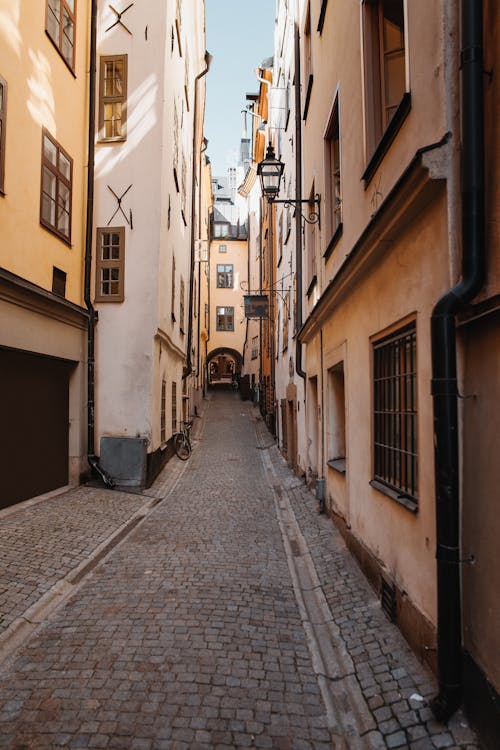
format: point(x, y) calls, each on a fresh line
point(189, 365)
point(444, 366)
point(298, 193)
point(89, 230)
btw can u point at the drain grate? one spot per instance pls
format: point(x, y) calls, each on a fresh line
point(294, 545)
point(388, 598)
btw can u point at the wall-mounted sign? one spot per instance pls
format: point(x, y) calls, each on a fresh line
point(256, 305)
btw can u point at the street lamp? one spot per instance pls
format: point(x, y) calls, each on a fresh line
point(270, 171)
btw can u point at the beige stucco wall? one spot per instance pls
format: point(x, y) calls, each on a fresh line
point(405, 277)
point(409, 274)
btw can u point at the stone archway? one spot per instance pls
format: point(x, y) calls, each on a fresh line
point(222, 364)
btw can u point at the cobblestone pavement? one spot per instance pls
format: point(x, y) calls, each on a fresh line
point(193, 631)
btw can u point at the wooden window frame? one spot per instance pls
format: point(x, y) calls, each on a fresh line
point(308, 58)
point(375, 73)
point(3, 128)
point(61, 181)
point(58, 43)
point(227, 276)
point(110, 100)
point(333, 169)
point(182, 292)
point(112, 263)
point(225, 315)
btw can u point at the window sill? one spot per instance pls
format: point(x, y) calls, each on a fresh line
point(338, 464)
point(52, 230)
point(389, 135)
point(333, 242)
point(405, 500)
point(311, 286)
point(111, 141)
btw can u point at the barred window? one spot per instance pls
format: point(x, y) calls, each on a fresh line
point(174, 407)
point(395, 412)
point(163, 419)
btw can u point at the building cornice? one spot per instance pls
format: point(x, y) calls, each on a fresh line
point(23, 293)
point(416, 187)
point(162, 336)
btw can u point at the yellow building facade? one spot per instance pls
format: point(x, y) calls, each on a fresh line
point(44, 63)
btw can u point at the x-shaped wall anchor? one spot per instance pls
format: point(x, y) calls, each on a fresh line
point(119, 18)
point(119, 207)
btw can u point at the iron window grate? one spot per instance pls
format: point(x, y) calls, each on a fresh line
point(395, 412)
point(388, 599)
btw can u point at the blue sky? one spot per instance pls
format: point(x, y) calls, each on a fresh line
point(239, 36)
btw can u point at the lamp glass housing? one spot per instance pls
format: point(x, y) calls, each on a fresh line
point(270, 171)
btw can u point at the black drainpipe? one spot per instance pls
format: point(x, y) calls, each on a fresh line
point(92, 319)
point(189, 365)
point(444, 366)
point(298, 193)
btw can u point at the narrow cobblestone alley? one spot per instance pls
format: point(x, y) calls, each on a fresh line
point(198, 630)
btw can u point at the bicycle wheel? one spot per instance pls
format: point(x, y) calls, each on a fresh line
point(182, 446)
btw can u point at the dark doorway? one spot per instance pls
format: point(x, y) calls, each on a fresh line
point(34, 414)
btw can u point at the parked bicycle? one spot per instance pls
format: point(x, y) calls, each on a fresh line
point(182, 441)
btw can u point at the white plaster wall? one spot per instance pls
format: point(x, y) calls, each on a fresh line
point(125, 330)
point(129, 366)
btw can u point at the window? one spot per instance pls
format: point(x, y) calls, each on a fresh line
point(255, 347)
point(384, 43)
point(395, 413)
point(60, 26)
point(322, 14)
point(311, 251)
point(225, 319)
point(332, 169)
point(113, 98)
point(58, 282)
point(222, 248)
point(110, 264)
point(163, 420)
point(57, 173)
point(172, 301)
point(3, 124)
point(286, 318)
point(174, 407)
point(181, 305)
point(308, 69)
point(336, 418)
point(224, 276)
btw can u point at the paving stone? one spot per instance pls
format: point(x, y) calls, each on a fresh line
point(188, 634)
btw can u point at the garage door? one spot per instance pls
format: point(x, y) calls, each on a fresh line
point(34, 415)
